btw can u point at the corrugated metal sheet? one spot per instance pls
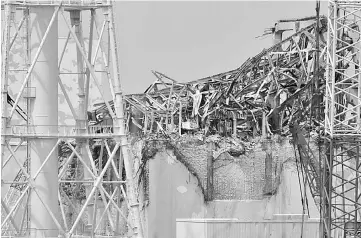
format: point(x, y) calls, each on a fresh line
point(220, 228)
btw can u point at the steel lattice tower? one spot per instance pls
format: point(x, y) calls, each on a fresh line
point(36, 203)
point(341, 192)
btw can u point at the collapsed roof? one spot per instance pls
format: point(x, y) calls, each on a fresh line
point(278, 91)
point(276, 86)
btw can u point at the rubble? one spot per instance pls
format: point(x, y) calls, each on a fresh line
point(272, 93)
point(270, 97)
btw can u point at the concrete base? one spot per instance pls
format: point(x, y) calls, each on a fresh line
point(230, 228)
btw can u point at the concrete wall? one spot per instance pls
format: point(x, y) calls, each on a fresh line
point(227, 228)
point(287, 200)
point(246, 174)
point(174, 193)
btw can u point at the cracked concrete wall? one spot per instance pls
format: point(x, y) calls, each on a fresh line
point(242, 177)
point(175, 193)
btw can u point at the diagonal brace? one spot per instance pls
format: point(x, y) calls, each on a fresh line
point(55, 14)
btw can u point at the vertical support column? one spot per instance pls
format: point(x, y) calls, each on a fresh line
point(325, 228)
point(180, 119)
point(328, 98)
point(81, 123)
point(316, 63)
point(357, 61)
point(277, 36)
point(358, 110)
point(332, 63)
point(342, 199)
point(27, 61)
point(121, 200)
point(44, 113)
point(211, 148)
point(234, 125)
point(357, 192)
point(5, 50)
point(90, 49)
point(267, 147)
point(327, 192)
point(264, 127)
point(4, 80)
point(119, 129)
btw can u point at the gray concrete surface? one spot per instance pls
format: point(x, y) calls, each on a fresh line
point(176, 194)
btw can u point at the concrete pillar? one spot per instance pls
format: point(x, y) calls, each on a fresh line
point(180, 119)
point(44, 112)
point(234, 125)
point(277, 37)
point(264, 121)
point(211, 148)
point(268, 147)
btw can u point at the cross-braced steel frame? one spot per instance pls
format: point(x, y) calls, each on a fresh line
point(340, 206)
point(35, 205)
point(343, 90)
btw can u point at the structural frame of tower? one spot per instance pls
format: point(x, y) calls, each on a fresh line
point(341, 190)
point(34, 205)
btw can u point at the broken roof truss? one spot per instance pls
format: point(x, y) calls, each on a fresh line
point(273, 86)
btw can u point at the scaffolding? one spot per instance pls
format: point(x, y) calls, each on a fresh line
point(89, 180)
point(341, 174)
point(43, 200)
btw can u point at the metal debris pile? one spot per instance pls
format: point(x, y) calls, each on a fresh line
point(277, 92)
point(266, 95)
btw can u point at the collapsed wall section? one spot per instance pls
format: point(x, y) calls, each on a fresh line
point(243, 176)
point(241, 170)
point(176, 184)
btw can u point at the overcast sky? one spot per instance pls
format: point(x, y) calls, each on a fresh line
point(191, 40)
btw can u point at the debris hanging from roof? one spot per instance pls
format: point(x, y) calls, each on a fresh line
point(274, 92)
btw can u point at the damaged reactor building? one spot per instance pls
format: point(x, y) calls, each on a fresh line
point(268, 149)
